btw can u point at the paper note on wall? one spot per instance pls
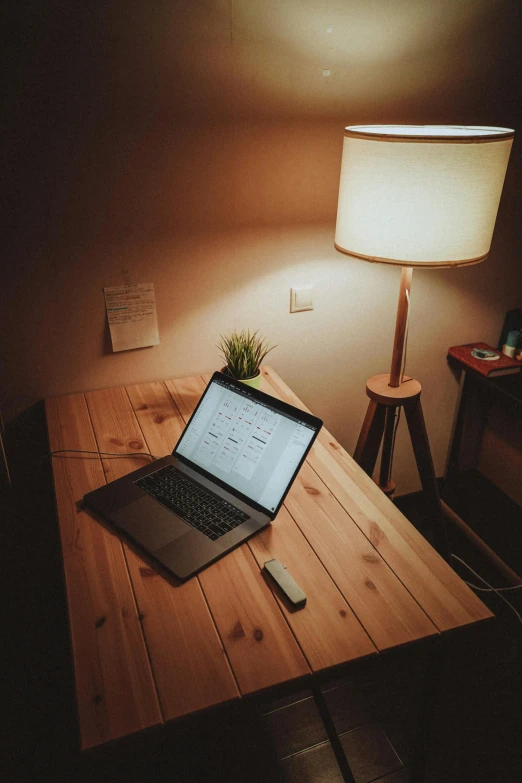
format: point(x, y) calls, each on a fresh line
point(131, 311)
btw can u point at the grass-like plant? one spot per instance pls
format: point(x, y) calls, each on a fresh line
point(243, 352)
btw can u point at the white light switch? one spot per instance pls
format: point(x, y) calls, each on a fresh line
point(301, 299)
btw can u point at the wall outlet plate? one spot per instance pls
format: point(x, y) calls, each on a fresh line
point(301, 299)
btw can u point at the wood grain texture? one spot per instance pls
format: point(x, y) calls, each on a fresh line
point(375, 580)
point(189, 665)
point(401, 323)
point(186, 393)
point(387, 611)
point(326, 629)
point(158, 416)
point(258, 641)
point(378, 388)
point(117, 431)
point(445, 598)
point(114, 685)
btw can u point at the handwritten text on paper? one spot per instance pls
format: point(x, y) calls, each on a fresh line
point(131, 311)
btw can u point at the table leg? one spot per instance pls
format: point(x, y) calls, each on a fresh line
point(473, 407)
point(332, 734)
point(452, 466)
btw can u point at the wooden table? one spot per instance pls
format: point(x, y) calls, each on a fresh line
point(147, 649)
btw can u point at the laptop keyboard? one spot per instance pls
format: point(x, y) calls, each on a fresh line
point(206, 512)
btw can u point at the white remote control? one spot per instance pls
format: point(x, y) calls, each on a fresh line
point(286, 583)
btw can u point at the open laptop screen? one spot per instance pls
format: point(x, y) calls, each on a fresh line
point(247, 441)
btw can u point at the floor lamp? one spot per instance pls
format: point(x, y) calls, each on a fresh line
point(415, 196)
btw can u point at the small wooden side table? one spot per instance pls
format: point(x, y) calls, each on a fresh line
point(505, 390)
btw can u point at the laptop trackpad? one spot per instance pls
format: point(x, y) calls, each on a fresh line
point(149, 523)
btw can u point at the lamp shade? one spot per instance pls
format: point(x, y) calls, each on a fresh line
point(420, 195)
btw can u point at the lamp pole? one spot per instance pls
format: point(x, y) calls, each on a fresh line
point(396, 378)
point(401, 326)
point(388, 394)
point(415, 195)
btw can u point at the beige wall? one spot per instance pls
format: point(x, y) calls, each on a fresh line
point(197, 145)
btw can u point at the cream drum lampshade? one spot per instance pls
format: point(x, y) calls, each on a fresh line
point(420, 195)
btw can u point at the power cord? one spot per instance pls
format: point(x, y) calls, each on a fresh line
point(489, 588)
point(102, 453)
point(115, 454)
point(497, 590)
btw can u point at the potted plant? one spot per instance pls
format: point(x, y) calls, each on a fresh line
point(243, 353)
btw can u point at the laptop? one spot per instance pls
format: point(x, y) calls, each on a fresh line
point(225, 480)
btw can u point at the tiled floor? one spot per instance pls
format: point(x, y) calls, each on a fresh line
point(312, 765)
point(305, 753)
point(374, 712)
point(476, 730)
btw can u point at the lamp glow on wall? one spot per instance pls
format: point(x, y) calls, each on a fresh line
point(415, 196)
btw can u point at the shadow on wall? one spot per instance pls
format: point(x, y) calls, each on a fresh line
point(201, 151)
point(192, 116)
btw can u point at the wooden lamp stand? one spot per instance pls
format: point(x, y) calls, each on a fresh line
point(387, 394)
point(415, 195)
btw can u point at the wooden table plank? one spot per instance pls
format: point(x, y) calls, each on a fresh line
point(327, 630)
point(387, 611)
point(374, 575)
point(383, 606)
point(186, 393)
point(254, 664)
point(116, 430)
point(190, 665)
point(258, 641)
point(115, 689)
point(188, 661)
point(445, 598)
point(158, 416)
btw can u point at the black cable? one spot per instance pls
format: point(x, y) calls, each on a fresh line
point(113, 454)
